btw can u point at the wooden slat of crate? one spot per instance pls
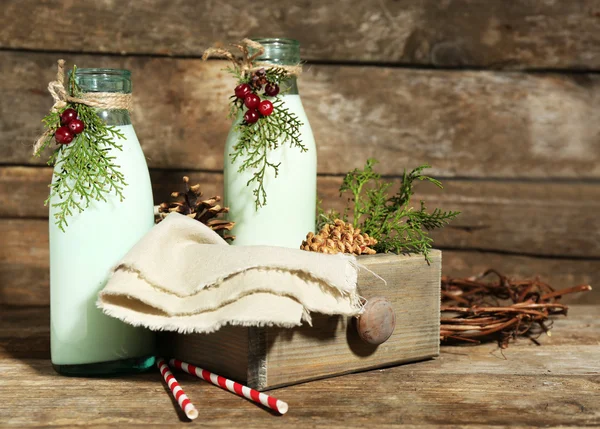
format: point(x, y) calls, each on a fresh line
point(265, 358)
point(224, 352)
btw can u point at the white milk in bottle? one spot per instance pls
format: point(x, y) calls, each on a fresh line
point(290, 210)
point(84, 341)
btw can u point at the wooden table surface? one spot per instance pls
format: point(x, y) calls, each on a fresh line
point(555, 384)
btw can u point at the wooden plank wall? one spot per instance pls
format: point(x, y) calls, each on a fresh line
point(502, 98)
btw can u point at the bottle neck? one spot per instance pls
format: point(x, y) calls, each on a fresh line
point(286, 87)
point(117, 81)
point(114, 117)
point(280, 52)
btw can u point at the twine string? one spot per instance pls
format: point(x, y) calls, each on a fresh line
point(247, 62)
point(101, 100)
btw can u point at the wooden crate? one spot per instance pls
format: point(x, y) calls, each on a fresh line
point(265, 358)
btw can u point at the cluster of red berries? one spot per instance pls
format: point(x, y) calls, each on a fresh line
point(71, 125)
point(256, 106)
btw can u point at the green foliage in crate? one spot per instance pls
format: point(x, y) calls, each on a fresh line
point(389, 217)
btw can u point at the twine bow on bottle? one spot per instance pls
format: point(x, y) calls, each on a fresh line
point(247, 61)
point(61, 96)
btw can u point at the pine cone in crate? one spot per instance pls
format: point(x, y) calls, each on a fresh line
point(339, 237)
point(190, 203)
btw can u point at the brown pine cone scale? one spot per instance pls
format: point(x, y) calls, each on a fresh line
point(191, 204)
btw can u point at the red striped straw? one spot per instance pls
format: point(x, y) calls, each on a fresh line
point(234, 387)
point(188, 408)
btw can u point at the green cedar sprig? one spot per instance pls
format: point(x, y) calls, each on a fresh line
point(277, 75)
point(391, 220)
point(257, 140)
point(84, 170)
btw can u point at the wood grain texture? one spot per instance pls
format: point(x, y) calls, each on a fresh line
point(24, 265)
point(23, 189)
point(517, 34)
point(24, 262)
point(530, 218)
point(537, 219)
point(224, 352)
point(560, 273)
point(464, 123)
point(332, 345)
point(553, 385)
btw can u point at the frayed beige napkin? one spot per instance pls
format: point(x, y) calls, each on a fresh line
point(184, 277)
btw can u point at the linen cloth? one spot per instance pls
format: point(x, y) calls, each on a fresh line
point(184, 277)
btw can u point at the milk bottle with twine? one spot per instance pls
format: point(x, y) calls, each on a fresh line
point(270, 171)
point(100, 205)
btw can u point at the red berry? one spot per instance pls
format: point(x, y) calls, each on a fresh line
point(272, 89)
point(63, 135)
point(252, 101)
point(76, 126)
point(265, 107)
point(67, 116)
point(251, 116)
point(242, 90)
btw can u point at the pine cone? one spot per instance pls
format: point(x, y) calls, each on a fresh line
point(205, 211)
point(339, 237)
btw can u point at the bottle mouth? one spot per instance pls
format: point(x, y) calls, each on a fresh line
point(278, 51)
point(103, 80)
point(277, 41)
point(104, 72)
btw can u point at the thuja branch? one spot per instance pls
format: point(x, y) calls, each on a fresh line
point(84, 163)
point(390, 219)
point(257, 140)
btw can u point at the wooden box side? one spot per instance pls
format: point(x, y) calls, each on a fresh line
point(224, 352)
point(332, 346)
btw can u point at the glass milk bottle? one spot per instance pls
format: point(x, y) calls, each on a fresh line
point(289, 213)
point(84, 341)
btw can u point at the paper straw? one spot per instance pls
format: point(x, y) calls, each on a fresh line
point(234, 387)
point(184, 402)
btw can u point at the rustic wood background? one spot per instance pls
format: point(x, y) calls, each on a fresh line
point(502, 98)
